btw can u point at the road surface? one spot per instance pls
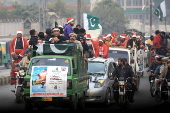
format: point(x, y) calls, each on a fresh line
point(143, 101)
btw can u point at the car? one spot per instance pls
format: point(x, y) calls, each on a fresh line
point(100, 85)
point(131, 57)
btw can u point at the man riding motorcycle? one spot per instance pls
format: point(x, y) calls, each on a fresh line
point(123, 70)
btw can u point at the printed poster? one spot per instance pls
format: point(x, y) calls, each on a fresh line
point(48, 81)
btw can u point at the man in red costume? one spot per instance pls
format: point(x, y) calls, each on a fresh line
point(17, 49)
point(18, 46)
point(103, 49)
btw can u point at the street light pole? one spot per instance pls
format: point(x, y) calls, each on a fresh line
point(78, 11)
point(150, 17)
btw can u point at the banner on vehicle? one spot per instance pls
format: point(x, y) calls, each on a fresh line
point(48, 81)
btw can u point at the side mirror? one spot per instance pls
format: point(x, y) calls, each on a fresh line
point(74, 71)
point(132, 61)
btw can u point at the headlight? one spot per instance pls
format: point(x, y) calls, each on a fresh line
point(168, 83)
point(101, 81)
point(121, 83)
point(21, 72)
point(97, 85)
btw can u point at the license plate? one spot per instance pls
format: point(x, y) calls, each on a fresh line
point(168, 83)
point(47, 98)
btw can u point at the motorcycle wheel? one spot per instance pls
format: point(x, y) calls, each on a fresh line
point(168, 95)
point(122, 101)
point(18, 95)
point(152, 89)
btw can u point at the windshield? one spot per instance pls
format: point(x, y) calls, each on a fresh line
point(49, 62)
point(96, 67)
point(118, 54)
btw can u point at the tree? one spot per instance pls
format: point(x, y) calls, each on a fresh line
point(60, 8)
point(111, 16)
point(24, 11)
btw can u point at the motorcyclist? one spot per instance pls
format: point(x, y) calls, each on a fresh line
point(154, 64)
point(165, 74)
point(125, 71)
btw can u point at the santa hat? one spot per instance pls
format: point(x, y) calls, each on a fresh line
point(88, 36)
point(100, 39)
point(134, 35)
point(137, 36)
point(20, 31)
point(123, 36)
point(108, 35)
point(69, 19)
point(114, 34)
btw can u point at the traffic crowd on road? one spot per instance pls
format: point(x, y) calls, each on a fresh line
point(158, 45)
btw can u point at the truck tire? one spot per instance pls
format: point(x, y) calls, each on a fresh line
point(18, 95)
point(81, 103)
point(73, 105)
point(28, 106)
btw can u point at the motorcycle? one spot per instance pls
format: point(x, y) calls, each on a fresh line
point(165, 89)
point(154, 87)
point(19, 84)
point(123, 90)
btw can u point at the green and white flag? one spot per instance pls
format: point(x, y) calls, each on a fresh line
point(161, 10)
point(91, 22)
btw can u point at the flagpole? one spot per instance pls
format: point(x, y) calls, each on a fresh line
point(150, 17)
point(165, 18)
point(165, 25)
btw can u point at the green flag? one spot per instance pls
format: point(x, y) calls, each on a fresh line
point(161, 11)
point(91, 22)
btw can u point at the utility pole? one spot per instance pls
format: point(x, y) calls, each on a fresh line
point(42, 15)
point(150, 17)
point(78, 11)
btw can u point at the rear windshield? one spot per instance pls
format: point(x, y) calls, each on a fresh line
point(96, 67)
point(49, 62)
point(116, 54)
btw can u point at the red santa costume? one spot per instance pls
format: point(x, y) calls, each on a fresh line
point(103, 49)
point(17, 47)
point(14, 47)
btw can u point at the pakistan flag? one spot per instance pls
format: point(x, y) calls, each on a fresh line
point(91, 22)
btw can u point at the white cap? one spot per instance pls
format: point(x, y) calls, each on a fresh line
point(20, 31)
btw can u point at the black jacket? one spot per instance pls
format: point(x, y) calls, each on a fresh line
point(127, 72)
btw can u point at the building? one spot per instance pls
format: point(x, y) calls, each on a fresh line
point(138, 12)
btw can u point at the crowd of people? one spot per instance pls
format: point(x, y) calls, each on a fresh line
point(160, 67)
point(20, 47)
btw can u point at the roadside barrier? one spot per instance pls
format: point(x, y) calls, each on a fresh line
point(4, 80)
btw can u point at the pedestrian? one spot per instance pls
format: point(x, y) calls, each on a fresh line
point(68, 27)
